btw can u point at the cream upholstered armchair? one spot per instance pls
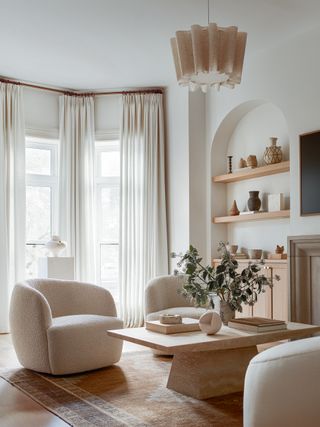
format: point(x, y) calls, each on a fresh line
point(162, 297)
point(282, 386)
point(60, 327)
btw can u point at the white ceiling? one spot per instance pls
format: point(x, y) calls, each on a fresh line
point(100, 44)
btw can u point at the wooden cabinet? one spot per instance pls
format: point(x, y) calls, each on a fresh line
point(274, 302)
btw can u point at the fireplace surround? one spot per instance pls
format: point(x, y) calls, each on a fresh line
point(304, 278)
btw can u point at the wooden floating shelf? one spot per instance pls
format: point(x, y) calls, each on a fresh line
point(251, 217)
point(253, 173)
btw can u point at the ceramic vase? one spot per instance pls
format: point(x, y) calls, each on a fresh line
point(273, 154)
point(55, 246)
point(234, 209)
point(254, 203)
point(210, 322)
point(227, 313)
point(252, 161)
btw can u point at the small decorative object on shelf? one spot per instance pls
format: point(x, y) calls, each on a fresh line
point(55, 245)
point(273, 154)
point(252, 161)
point(232, 249)
point(279, 249)
point(234, 209)
point(170, 319)
point(279, 253)
point(254, 203)
point(210, 322)
point(232, 288)
point(275, 202)
point(242, 163)
point(240, 255)
point(229, 164)
point(255, 253)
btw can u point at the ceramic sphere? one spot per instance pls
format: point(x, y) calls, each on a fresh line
point(210, 322)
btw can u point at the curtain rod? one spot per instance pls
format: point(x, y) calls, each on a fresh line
point(75, 93)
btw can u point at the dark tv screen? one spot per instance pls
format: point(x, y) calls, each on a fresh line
point(310, 173)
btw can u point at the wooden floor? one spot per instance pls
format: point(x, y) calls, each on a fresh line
point(16, 408)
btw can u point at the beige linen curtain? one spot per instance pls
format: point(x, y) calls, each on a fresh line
point(143, 226)
point(76, 176)
point(12, 195)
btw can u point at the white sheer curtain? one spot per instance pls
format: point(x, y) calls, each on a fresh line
point(12, 195)
point(143, 227)
point(76, 175)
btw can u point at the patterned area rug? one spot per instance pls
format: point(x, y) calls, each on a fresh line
point(131, 393)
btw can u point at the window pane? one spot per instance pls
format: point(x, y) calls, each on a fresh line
point(110, 163)
point(38, 213)
point(38, 161)
point(110, 214)
point(109, 268)
point(33, 253)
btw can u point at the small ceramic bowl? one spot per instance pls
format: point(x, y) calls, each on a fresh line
point(255, 253)
point(232, 248)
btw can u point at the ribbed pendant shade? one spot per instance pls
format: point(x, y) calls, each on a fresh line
point(209, 56)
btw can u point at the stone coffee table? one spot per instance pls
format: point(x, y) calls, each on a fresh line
point(210, 365)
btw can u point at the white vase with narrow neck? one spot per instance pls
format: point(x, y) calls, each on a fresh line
point(55, 246)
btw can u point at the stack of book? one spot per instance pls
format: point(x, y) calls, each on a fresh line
point(257, 324)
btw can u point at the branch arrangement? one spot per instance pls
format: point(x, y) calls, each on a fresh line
point(204, 282)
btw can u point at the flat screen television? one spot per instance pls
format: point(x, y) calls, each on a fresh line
point(310, 173)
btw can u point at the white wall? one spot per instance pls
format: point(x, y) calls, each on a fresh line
point(287, 77)
point(199, 217)
point(177, 163)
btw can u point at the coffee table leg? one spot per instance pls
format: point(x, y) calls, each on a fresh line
point(207, 374)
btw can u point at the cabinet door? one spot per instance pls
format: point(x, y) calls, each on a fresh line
point(281, 293)
point(262, 307)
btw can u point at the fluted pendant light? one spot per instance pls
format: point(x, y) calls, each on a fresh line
point(209, 56)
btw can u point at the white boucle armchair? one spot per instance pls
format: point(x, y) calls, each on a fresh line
point(162, 297)
point(60, 327)
point(282, 386)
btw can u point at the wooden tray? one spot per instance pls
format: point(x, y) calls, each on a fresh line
point(187, 325)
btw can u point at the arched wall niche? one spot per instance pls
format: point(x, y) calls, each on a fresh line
point(246, 130)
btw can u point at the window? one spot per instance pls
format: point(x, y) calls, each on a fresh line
point(107, 207)
point(41, 197)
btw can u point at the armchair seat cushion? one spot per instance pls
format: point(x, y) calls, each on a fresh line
point(193, 312)
point(80, 342)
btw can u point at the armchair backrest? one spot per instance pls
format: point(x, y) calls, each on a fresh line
point(68, 297)
point(162, 292)
point(30, 317)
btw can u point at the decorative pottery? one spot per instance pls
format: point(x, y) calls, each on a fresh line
point(232, 249)
point(279, 249)
point(255, 253)
point(273, 154)
point(254, 203)
point(55, 245)
point(210, 322)
point(242, 163)
point(226, 312)
point(252, 161)
point(229, 164)
point(234, 209)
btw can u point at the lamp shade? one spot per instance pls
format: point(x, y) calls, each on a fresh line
point(209, 56)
